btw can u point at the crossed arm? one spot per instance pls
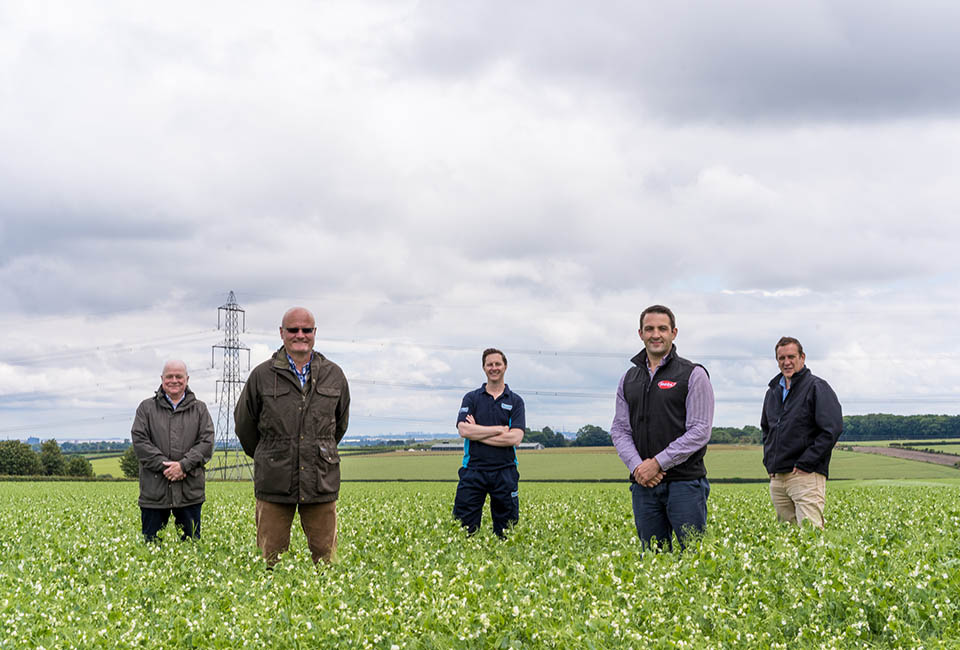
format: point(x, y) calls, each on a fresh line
point(495, 435)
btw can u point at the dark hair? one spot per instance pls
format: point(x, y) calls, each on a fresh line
point(787, 340)
point(659, 309)
point(490, 351)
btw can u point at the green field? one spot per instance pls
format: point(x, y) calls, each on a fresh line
point(111, 466)
point(74, 573)
point(888, 443)
point(723, 462)
point(947, 449)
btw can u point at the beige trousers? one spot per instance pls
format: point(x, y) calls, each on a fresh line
point(318, 520)
point(799, 497)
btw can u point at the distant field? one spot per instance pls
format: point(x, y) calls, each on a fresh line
point(723, 462)
point(887, 443)
point(106, 466)
point(112, 465)
point(947, 449)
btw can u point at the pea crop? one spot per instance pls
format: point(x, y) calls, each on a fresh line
point(74, 573)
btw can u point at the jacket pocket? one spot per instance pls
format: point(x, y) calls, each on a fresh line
point(273, 471)
point(323, 411)
point(193, 485)
point(328, 467)
point(153, 486)
point(279, 408)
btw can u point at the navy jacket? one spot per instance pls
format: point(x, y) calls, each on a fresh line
point(802, 430)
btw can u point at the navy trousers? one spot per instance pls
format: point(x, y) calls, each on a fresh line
point(186, 518)
point(472, 491)
point(670, 507)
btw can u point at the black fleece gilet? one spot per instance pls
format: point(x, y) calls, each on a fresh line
point(658, 411)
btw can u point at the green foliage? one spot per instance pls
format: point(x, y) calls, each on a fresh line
point(86, 447)
point(748, 435)
point(52, 460)
point(74, 573)
point(77, 465)
point(129, 464)
point(547, 437)
point(591, 435)
point(18, 459)
point(882, 426)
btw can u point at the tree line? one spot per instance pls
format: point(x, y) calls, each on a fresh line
point(19, 459)
point(591, 435)
point(875, 426)
point(882, 426)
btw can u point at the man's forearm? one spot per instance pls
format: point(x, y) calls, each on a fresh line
point(478, 431)
point(510, 438)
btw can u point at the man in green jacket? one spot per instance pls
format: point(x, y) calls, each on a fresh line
point(290, 417)
point(173, 437)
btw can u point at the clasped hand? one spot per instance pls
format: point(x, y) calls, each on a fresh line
point(648, 473)
point(174, 471)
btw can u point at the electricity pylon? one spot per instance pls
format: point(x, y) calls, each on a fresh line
point(229, 461)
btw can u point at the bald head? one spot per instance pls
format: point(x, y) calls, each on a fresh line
point(174, 379)
point(175, 364)
point(296, 313)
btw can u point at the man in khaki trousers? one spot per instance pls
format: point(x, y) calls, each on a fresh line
point(801, 422)
point(290, 417)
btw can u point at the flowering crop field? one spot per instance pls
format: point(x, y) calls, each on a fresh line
point(885, 573)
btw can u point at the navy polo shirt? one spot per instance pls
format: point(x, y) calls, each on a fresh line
point(505, 410)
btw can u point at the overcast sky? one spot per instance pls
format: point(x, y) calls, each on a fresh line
point(432, 178)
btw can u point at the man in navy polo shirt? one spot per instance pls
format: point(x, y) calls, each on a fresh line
point(491, 422)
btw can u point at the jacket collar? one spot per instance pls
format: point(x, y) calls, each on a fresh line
point(188, 398)
point(797, 379)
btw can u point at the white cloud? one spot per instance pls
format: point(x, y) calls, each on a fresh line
point(432, 179)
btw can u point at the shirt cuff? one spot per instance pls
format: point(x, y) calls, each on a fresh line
point(665, 460)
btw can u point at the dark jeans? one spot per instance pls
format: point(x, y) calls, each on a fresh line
point(186, 518)
point(472, 491)
point(670, 507)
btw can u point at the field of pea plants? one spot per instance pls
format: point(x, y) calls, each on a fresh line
point(885, 573)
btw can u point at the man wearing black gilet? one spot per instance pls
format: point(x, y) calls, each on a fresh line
point(491, 422)
point(664, 416)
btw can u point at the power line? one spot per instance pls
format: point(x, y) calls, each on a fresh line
point(113, 347)
point(624, 355)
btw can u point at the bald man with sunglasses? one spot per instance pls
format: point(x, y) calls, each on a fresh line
point(290, 417)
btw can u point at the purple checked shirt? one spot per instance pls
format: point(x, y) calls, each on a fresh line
point(699, 423)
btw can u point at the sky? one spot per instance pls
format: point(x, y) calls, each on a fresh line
point(434, 178)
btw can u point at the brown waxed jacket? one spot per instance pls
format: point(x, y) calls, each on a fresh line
point(292, 432)
point(161, 434)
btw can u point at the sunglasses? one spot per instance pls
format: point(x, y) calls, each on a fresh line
point(305, 330)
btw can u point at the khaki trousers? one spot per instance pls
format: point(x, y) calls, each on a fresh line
point(318, 520)
point(799, 497)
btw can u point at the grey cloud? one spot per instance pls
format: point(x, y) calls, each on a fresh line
point(742, 60)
